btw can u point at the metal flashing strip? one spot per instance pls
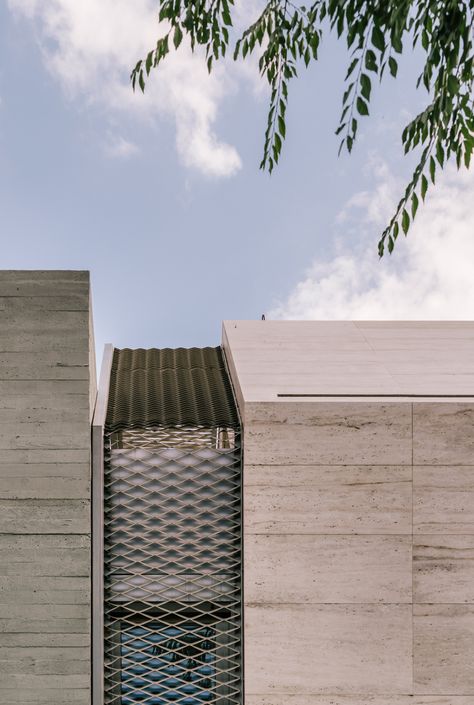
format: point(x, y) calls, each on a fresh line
point(97, 443)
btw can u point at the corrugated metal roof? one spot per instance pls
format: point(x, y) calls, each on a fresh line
point(169, 387)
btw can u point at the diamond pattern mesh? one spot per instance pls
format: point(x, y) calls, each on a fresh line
point(173, 567)
point(181, 436)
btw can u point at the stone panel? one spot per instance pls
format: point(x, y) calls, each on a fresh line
point(328, 649)
point(443, 568)
point(442, 434)
point(326, 433)
point(327, 569)
point(327, 500)
point(443, 499)
point(443, 649)
point(310, 699)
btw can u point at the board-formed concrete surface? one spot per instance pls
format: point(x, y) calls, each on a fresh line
point(46, 385)
point(358, 514)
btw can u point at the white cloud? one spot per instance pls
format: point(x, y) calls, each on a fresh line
point(429, 276)
point(91, 45)
point(119, 147)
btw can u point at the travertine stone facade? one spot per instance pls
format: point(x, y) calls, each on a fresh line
point(358, 520)
point(46, 384)
point(359, 578)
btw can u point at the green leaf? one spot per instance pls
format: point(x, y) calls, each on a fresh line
point(393, 66)
point(277, 143)
point(378, 39)
point(141, 82)
point(380, 245)
point(347, 93)
point(397, 43)
point(149, 62)
point(453, 84)
point(362, 106)
point(365, 86)
point(425, 40)
point(414, 205)
point(440, 154)
point(432, 169)
point(351, 68)
point(424, 186)
point(370, 61)
point(282, 126)
point(405, 221)
point(178, 36)
point(467, 155)
point(226, 17)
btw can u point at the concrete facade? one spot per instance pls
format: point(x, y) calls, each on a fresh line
point(358, 512)
point(47, 387)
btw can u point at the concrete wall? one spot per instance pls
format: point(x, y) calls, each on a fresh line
point(359, 553)
point(45, 376)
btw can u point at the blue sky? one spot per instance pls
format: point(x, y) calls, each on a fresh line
point(162, 199)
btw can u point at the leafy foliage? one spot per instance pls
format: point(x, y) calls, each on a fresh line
point(287, 34)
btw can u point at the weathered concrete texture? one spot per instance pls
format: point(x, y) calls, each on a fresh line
point(353, 543)
point(46, 380)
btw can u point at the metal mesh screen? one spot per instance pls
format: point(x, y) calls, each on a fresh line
point(173, 567)
point(179, 436)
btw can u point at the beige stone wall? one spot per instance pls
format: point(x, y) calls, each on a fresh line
point(44, 488)
point(359, 553)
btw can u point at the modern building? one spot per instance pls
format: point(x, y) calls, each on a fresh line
point(286, 518)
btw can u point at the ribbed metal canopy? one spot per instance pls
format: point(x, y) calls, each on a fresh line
point(169, 387)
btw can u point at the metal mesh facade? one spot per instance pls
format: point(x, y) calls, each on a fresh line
point(172, 569)
point(179, 436)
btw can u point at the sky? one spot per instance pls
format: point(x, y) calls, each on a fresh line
point(161, 198)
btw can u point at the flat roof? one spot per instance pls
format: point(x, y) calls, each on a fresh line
point(310, 360)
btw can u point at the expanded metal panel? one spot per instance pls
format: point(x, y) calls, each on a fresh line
point(173, 567)
point(170, 387)
point(182, 436)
